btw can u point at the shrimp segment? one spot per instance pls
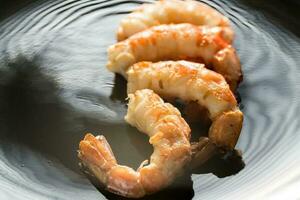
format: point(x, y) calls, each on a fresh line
point(169, 12)
point(225, 63)
point(176, 42)
point(193, 82)
point(169, 134)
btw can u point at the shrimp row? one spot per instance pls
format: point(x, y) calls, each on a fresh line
point(169, 12)
point(169, 134)
point(211, 45)
point(182, 31)
point(191, 81)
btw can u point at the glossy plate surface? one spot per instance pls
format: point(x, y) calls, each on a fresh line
point(54, 87)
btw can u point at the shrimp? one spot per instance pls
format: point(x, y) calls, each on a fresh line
point(193, 82)
point(169, 134)
point(169, 12)
point(179, 42)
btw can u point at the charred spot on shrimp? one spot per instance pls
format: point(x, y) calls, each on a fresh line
point(161, 85)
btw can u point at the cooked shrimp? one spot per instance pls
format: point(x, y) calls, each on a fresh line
point(169, 12)
point(180, 41)
point(169, 134)
point(193, 82)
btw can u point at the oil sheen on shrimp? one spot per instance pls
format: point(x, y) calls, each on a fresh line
point(169, 12)
point(191, 81)
point(169, 134)
point(211, 45)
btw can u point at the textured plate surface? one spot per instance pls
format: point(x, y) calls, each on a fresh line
point(54, 87)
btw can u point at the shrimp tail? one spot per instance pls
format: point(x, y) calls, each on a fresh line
point(96, 154)
point(202, 151)
point(225, 129)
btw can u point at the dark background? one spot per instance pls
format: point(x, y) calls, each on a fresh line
point(8, 7)
point(268, 7)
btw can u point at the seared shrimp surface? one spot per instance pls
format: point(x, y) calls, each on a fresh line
point(179, 42)
point(169, 134)
point(169, 12)
point(193, 82)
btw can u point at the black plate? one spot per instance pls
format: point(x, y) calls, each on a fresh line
point(54, 87)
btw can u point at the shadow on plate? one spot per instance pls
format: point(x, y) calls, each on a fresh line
point(285, 13)
point(35, 114)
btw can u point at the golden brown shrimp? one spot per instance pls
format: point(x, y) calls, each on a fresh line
point(169, 12)
point(179, 42)
point(169, 134)
point(193, 82)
